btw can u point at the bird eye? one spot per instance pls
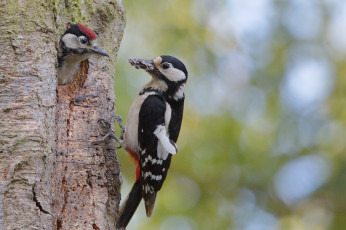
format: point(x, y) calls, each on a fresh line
point(165, 65)
point(83, 40)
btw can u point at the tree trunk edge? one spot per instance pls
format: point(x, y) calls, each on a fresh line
point(84, 170)
point(89, 98)
point(30, 183)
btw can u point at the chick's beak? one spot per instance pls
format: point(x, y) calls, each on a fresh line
point(100, 51)
point(142, 64)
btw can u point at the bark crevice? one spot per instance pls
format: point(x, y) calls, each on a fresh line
point(95, 227)
point(37, 202)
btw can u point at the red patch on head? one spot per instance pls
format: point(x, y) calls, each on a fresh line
point(88, 32)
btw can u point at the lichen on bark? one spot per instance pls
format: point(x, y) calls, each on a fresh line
point(36, 176)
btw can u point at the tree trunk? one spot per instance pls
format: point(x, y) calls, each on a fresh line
point(51, 175)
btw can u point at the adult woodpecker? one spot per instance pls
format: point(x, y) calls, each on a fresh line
point(76, 45)
point(152, 129)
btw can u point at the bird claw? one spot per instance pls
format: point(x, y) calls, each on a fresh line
point(106, 125)
point(119, 120)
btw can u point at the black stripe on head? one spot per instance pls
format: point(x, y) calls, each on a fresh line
point(175, 62)
point(76, 31)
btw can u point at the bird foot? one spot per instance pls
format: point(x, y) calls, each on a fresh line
point(106, 131)
point(119, 120)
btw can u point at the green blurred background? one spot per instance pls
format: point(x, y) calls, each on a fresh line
point(262, 144)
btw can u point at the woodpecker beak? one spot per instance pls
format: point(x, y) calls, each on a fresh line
point(142, 64)
point(100, 51)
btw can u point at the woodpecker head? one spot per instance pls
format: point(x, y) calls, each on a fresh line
point(169, 74)
point(76, 45)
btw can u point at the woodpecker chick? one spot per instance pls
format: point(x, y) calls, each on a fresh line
point(152, 130)
point(76, 45)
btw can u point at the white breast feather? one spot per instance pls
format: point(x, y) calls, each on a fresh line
point(131, 131)
point(164, 146)
point(70, 67)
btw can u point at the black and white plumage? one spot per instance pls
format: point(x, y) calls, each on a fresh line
point(76, 45)
point(152, 130)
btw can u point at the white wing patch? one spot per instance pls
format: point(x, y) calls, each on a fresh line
point(148, 188)
point(168, 115)
point(164, 145)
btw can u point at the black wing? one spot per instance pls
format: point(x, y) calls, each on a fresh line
point(176, 118)
point(154, 169)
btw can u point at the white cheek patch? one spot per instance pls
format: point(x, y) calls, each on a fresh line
point(71, 41)
point(173, 74)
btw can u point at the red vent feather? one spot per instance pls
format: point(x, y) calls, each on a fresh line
point(88, 32)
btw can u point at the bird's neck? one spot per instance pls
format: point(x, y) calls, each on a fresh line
point(68, 68)
point(174, 92)
point(178, 93)
point(156, 84)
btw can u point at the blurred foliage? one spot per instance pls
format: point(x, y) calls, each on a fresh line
point(262, 144)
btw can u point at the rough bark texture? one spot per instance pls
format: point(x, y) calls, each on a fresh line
point(51, 176)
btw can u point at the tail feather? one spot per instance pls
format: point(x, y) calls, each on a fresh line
point(149, 199)
point(129, 206)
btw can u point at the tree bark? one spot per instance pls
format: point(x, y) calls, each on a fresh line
point(51, 175)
